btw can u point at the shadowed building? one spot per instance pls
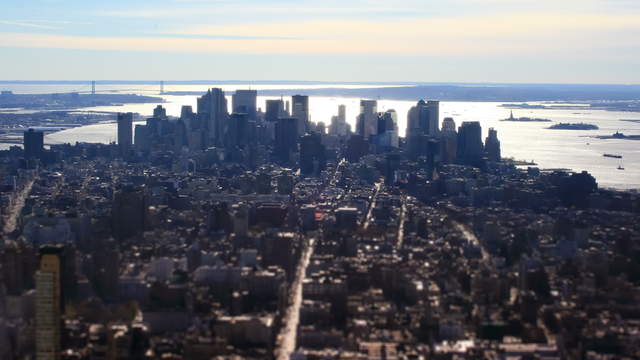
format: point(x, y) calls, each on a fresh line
point(212, 107)
point(244, 101)
point(470, 149)
point(312, 155)
point(125, 133)
point(286, 138)
point(492, 146)
point(33, 144)
point(300, 111)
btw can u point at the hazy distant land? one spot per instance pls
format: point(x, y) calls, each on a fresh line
point(70, 100)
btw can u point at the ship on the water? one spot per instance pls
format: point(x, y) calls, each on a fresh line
point(613, 156)
point(524, 119)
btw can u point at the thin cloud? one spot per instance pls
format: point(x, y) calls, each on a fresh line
point(28, 25)
point(456, 36)
point(265, 10)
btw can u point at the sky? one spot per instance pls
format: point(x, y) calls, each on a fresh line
point(504, 41)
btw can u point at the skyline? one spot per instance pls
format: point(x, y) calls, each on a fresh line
point(463, 41)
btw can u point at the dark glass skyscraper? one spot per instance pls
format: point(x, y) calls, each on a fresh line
point(312, 154)
point(125, 133)
point(470, 148)
point(286, 138)
point(33, 144)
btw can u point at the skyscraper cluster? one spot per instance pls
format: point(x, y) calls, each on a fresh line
point(253, 137)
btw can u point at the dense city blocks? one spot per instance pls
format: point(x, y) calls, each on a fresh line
point(230, 232)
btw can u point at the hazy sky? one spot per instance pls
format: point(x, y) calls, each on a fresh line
point(586, 41)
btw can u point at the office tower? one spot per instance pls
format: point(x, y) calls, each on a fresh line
point(129, 212)
point(339, 124)
point(448, 124)
point(301, 112)
point(142, 138)
point(180, 134)
point(244, 101)
point(470, 149)
point(212, 107)
point(492, 146)
point(392, 164)
point(417, 145)
point(357, 147)
point(125, 133)
point(159, 112)
point(33, 143)
point(423, 118)
point(286, 138)
point(12, 269)
point(367, 123)
point(49, 303)
point(448, 141)
point(434, 116)
point(274, 110)
point(186, 112)
point(238, 130)
point(312, 155)
point(342, 113)
point(388, 129)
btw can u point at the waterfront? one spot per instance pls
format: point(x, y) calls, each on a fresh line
point(576, 150)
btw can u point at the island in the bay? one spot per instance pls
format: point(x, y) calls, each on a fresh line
point(573, 126)
point(524, 119)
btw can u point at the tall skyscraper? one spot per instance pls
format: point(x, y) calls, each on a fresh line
point(49, 303)
point(342, 113)
point(213, 107)
point(367, 123)
point(300, 111)
point(424, 118)
point(142, 138)
point(448, 141)
point(159, 112)
point(33, 143)
point(286, 138)
point(238, 130)
point(274, 110)
point(125, 133)
point(312, 155)
point(470, 148)
point(448, 124)
point(492, 146)
point(245, 102)
point(388, 129)
point(357, 147)
point(339, 124)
